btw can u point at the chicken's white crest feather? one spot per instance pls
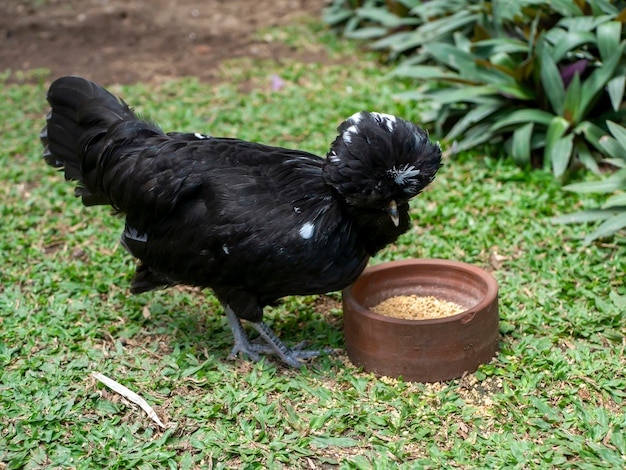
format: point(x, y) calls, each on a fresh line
point(349, 132)
point(388, 119)
point(403, 175)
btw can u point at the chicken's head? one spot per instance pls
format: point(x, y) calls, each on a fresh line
point(378, 162)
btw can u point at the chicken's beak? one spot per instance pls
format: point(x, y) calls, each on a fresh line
point(392, 210)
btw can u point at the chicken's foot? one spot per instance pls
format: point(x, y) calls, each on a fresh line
point(273, 345)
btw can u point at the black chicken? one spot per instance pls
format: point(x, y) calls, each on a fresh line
point(252, 222)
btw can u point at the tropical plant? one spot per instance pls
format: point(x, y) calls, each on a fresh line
point(612, 214)
point(541, 77)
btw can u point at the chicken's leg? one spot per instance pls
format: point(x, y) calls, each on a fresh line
point(273, 345)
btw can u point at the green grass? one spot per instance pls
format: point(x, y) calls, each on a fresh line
point(553, 396)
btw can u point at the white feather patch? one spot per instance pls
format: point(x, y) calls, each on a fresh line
point(349, 132)
point(356, 117)
point(388, 119)
point(307, 230)
point(403, 176)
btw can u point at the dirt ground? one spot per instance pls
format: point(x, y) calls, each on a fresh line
point(127, 41)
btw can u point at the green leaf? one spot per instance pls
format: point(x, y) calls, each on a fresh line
point(616, 162)
point(608, 37)
point(598, 80)
point(398, 42)
point(447, 24)
point(515, 90)
point(332, 16)
point(477, 114)
point(607, 228)
point(490, 47)
point(568, 41)
point(555, 146)
point(583, 23)
point(614, 182)
point(478, 134)
point(562, 154)
point(425, 72)
point(566, 7)
point(551, 79)
point(453, 57)
point(384, 17)
point(571, 105)
point(520, 147)
point(367, 33)
point(592, 133)
point(472, 94)
point(523, 116)
point(615, 89)
point(430, 32)
point(615, 201)
point(612, 147)
point(591, 215)
point(414, 95)
point(619, 132)
point(603, 7)
point(586, 157)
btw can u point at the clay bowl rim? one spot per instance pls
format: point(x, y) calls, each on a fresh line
point(477, 272)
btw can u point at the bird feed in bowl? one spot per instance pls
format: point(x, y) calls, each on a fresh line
point(416, 307)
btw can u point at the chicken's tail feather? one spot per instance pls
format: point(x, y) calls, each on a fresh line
point(85, 126)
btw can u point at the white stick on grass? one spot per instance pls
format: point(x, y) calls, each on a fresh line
point(129, 394)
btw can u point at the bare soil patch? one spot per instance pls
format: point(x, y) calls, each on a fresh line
point(119, 41)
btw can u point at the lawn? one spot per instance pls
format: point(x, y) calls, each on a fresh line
point(552, 398)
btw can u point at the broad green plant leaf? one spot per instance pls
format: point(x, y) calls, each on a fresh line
point(489, 47)
point(558, 148)
point(585, 156)
point(425, 72)
point(384, 17)
point(608, 185)
point(583, 217)
point(619, 132)
point(592, 134)
point(367, 33)
point(608, 38)
point(562, 154)
point(478, 114)
point(523, 116)
point(608, 228)
point(521, 144)
point(469, 94)
point(478, 134)
point(566, 7)
point(567, 41)
point(615, 89)
point(551, 79)
point(447, 25)
point(571, 105)
point(598, 80)
point(617, 200)
point(611, 147)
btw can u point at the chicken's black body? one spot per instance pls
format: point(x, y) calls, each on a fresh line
point(252, 222)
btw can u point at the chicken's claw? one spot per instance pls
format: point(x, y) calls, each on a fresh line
point(293, 357)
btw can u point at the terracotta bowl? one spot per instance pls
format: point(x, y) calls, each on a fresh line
point(429, 350)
